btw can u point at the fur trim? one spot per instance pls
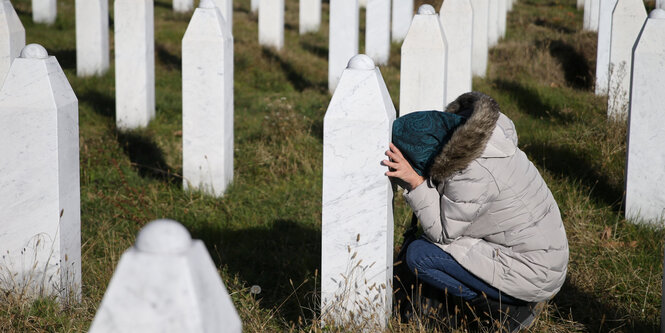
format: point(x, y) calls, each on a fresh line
point(470, 139)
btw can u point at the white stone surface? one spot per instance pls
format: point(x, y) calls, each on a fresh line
point(44, 11)
point(509, 5)
point(40, 239)
point(660, 4)
point(183, 6)
point(627, 21)
point(603, 53)
point(493, 23)
point(134, 63)
point(12, 37)
point(271, 23)
point(595, 15)
point(457, 21)
point(254, 5)
point(92, 37)
point(362, 3)
point(580, 4)
point(503, 17)
point(207, 102)
point(424, 64)
point(343, 38)
point(166, 282)
point(377, 31)
point(480, 39)
point(226, 7)
point(402, 15)
point(310, 16)
point(645, 175)
point(357, 216)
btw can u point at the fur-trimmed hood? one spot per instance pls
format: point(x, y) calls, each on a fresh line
point(470, 140)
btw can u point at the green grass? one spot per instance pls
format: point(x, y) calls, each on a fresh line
point(266, 230)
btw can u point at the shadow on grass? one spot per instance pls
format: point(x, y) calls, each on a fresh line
point(568, 164)
point(577, 71)
point(146, 156)
point(101, 104)
point(66, 58)
point(529, 101)
point(271, 256)
point(553, 26)
point(297, 80)
point(317, 50)
point(163, 4)
point(166, 58)
point(595, 315)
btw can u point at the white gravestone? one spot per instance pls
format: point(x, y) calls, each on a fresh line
point(207, 102)
point(591, 14)
point(627, 21)
point(402, 15)
point(254, 5)
point(343, 40)
point(183, 6)
point(660, 4)
point(580, 4)
point(603, 53)
point(357, 216)
point(226, 8)
point(12, 37)
point(310, 16)
point(457, 21)
point(503, 17)
point(493, 23)
point(509, 5)
point(271, 23)
point(92, 37)
point(41, 218)
point(166, 282)
point(377, 31)
point(645, 175)
point(134, 63)
point(44, 11)
point(424, 64)
point(480, 38)
point(362, 3)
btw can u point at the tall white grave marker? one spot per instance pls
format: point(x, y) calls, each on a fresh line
point(310, 16)
point(480, 38)
point(457, 22)
point(92, 37)
point(402, 15)
point(377, 31)
point(424, 64)
point(166, 282)
point(44, 11)
point(134, 63)
point(183, 6)
point(603, 53)
point(660, 4)
point(587, 15)
point(357, 216)
point(271, 23)
point(580, 4)
point(627, 21)
point(503, 17)
point(254, 5)
point(41, 216)
point(12, 37)
point(493, 23)
point(591, 14)
point(207, 102)
point(645, 175)
point(362, 3)
point(343, 40)
point(226, 7)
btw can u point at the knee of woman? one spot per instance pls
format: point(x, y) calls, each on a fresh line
point(415, 254)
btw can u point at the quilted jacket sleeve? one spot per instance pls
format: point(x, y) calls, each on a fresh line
point(446, 213)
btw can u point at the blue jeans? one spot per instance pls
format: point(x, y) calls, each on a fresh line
point(438, 269)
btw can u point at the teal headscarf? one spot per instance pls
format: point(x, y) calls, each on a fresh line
point(421, 135)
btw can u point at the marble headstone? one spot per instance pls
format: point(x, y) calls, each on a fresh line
point(357, 215)
point(92, 37)
point(183, 6)
point(424, 64)
point(580, 4)
point(660, 4)
point(44, 11)
point(402, 15)
point(509, 5)
point(12, 37)
point(271, 23)
point(310, 16)
point(166, 282)
point(377, 31)
point(362, 3)
point(40, 240)
point(254, 5)
point(627, 21)
point(457, 22)
point(207, 102)
point(134, 63)
point(591, 14)
point(493, 23)
point(503, 17)
point(226, 8)
point(603, 53)
point(343, 40)
point(645, 175)
point(480, 39)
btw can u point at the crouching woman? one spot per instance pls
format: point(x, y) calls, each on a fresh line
point(492, 230)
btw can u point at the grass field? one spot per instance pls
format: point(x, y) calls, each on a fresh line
point(266, 229)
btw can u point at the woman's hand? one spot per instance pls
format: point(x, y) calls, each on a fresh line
point(401, 169)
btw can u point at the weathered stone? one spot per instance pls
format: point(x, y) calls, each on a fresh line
point(457, 21)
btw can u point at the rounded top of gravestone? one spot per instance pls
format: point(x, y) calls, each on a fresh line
point(163, 237)
point(34, 51)
point(657, 14)
point(426, 10)
point(207, 4)
point(361, 61)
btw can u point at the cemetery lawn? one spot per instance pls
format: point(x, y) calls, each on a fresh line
point(266, 230)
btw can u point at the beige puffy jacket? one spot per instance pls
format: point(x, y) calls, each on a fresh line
point(486, 205)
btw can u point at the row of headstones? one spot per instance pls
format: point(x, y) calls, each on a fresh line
point(593, 11)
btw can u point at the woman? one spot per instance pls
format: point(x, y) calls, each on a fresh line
point(491, 225)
